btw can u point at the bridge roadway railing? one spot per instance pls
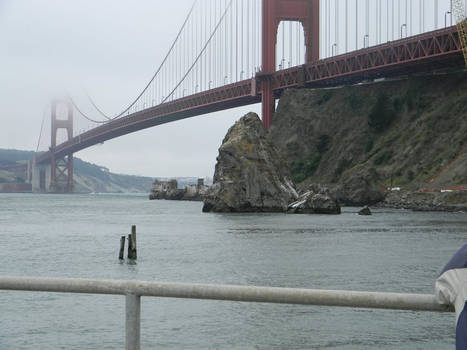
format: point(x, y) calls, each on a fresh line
point(133, 291)
point(423, 52)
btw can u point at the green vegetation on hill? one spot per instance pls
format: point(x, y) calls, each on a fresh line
point(88, 177)
point(409, 132)
point(15, 156)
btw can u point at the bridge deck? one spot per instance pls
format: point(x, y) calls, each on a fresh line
point(421, 53)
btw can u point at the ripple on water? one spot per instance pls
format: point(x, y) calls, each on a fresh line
point(78, 236)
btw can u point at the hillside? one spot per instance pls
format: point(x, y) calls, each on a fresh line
point(88, 177)
point(409, 133)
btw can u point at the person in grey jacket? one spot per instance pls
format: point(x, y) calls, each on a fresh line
point(451, 289)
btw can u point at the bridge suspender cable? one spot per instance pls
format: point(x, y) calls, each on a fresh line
point(200, 54)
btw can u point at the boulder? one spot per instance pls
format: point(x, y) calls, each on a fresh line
point(361, 187)
point(365, 211)
point(250, 175)
point(318, 200)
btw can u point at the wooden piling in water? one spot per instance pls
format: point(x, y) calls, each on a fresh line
point(122, 247)
point(132, 244)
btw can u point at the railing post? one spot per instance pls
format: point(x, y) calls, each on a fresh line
point(133, 321)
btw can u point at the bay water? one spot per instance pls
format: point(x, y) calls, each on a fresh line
point(78, 236)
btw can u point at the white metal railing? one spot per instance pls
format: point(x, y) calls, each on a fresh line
point(134, 290)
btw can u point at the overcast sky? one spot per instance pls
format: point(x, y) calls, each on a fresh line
point(109, 48)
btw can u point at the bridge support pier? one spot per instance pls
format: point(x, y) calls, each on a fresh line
point(274, 11)
point(61, 174)
point(39, 176)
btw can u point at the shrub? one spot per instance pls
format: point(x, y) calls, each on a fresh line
point(341, 166)
point(383, 157)
point(423, 102)
point(292, 148)
point(397, 104)
point(410, 99)
point(325, 97)
point(305, 167)
point(382, 113)
point(353, 100)
point(369, 145)
point(323, 144)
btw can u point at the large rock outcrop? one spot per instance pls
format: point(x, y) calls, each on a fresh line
point(250, 175)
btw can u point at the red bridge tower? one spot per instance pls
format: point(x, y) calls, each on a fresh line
point(61, 175)
point(275, 11)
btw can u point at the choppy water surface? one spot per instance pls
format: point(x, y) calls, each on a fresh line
point(78, 236)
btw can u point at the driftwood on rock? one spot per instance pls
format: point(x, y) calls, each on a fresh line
point(318, 200)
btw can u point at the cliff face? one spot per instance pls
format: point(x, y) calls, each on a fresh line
point(408, 133)
point(249, 175)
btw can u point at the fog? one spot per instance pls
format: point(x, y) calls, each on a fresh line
point(109, 49)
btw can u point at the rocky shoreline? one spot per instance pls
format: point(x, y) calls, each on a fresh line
point(455, 201)
point(252, 176)
point(169, 190)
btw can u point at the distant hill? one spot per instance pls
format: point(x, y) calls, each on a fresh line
point(88, 177)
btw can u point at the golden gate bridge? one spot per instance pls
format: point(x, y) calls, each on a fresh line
point(231, 53)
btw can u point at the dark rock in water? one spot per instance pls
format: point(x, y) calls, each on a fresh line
point(250, 175)
point(318, 200)
point(364, 211)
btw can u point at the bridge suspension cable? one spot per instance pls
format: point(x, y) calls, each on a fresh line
point(96, 107)
point(84, 115)
point(44, 113)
